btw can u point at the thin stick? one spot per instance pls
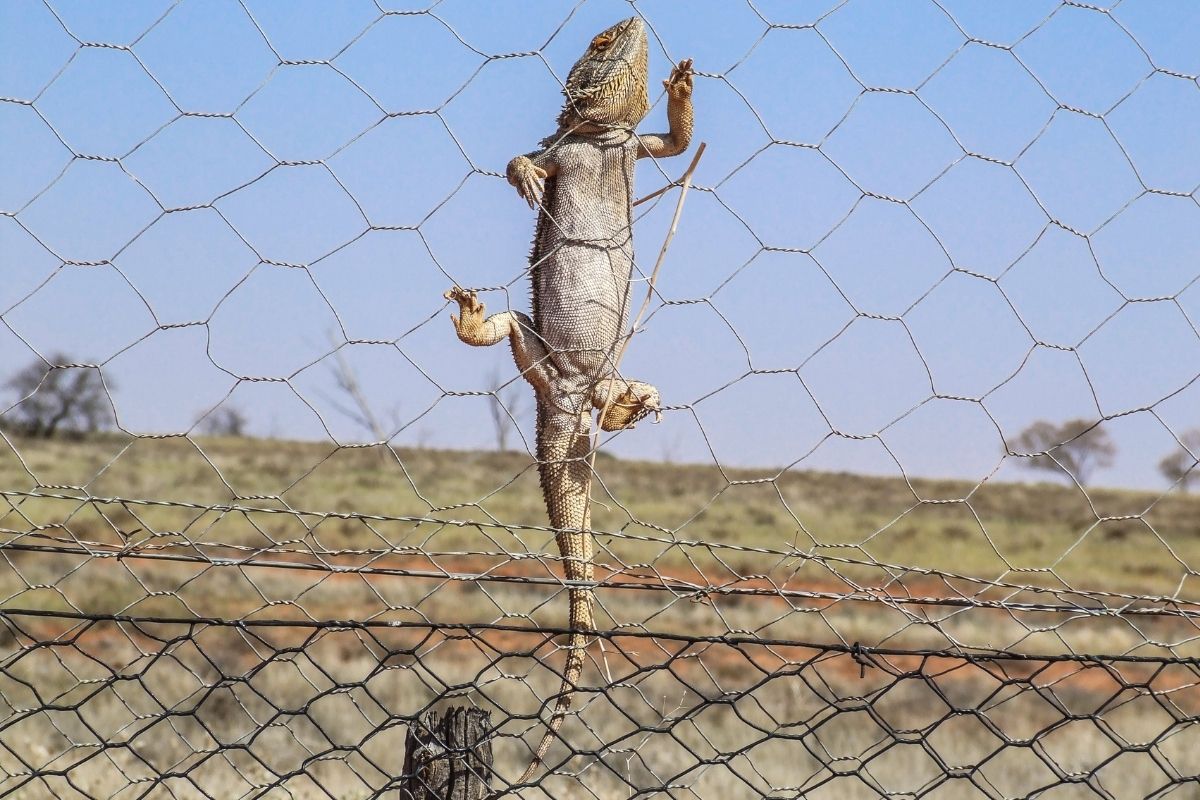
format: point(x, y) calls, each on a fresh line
point(684, 183)
point(686, 177)
point(655, 194)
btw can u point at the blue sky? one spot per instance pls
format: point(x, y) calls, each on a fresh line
point(947, 220)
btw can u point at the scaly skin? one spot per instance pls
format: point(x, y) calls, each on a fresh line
point(581, 264)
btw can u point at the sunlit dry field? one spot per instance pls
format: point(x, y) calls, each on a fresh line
point(320, 712)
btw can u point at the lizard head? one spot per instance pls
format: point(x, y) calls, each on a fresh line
point(607, 86)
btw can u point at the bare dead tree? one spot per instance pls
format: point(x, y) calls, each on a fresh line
point(1076, 446)
point(355, 406)
point(55, 401)
point(509, 404)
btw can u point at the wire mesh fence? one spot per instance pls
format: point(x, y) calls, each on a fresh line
point(259, 511)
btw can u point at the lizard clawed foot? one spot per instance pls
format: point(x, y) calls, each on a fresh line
point(471, 309)
point(638, 400)
point(527, 177)
point(679, 85)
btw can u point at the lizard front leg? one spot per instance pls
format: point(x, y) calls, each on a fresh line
point(479, 330)
point(680, 116)
point(528, 174)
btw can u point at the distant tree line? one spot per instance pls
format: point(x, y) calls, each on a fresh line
point(1079, 447)
point(57, 401)
point(51, 400)
point(70, 402)
point(1179, 467)
point(225, 421)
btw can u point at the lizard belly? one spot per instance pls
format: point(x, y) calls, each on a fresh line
point(582, 278)
point(583, 303)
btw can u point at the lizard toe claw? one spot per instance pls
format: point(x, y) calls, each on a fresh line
point(679, 85)
point(532, 192)
point(470, 312)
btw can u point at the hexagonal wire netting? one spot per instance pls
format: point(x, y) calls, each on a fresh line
point(261, 510)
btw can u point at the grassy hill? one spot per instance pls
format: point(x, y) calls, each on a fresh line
point(671, 517)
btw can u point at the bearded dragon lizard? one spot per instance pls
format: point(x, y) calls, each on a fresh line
point(581, 182)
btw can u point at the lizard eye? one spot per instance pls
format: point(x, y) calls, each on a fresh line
point(602, 41)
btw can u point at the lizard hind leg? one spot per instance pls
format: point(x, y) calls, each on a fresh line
point(479, 330)
point(633, 401)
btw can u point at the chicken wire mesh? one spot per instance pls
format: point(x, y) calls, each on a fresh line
point(255, 524)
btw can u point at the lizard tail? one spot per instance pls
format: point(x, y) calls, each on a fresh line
point(571, 673)
point(563, 445)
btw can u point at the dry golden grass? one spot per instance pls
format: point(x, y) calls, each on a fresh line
point(1105, 539)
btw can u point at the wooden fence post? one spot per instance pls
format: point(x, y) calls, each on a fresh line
point(447, 756)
